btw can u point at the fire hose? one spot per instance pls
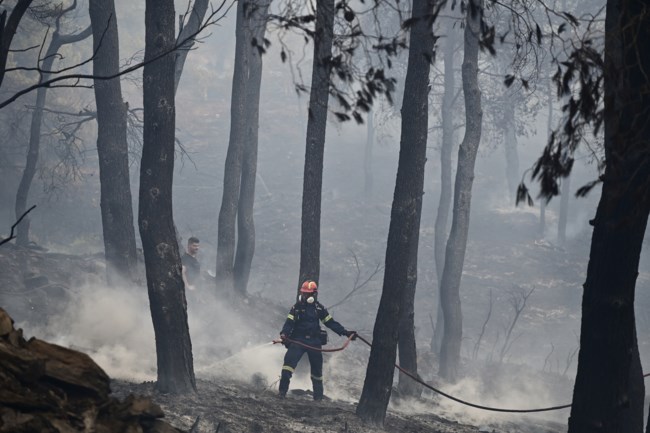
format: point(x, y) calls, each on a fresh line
point(426, 385)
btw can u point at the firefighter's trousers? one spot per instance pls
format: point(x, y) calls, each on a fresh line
point(291, 359)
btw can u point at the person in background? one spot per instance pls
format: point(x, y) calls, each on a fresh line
point(302, 325)
point(191, 270)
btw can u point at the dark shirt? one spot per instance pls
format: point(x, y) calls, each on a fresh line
point(192, 268)
point(302, 321)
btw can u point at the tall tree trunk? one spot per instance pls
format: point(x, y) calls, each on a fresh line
point(444, 204)
point(57, 41)
point(162, 259)
point(510, 148)
point(112, 147)
point(549, 131)
point(565, 193)
point(315, 143)
point(609, 388)
point(22, 235)
point(402, 245)
point(235, 253)
point(457, 243)
point(257, 11)
point(367, 155)
point(233, 168)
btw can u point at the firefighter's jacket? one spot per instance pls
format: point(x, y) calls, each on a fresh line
point(303, 321)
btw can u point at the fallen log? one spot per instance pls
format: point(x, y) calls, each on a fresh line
point(49, 388)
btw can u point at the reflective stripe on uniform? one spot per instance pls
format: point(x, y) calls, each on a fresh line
point(317, 378)
point(328, 317)
point(286, 367)
point(290, 317)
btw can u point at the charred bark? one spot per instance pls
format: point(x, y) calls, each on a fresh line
point(315, 142)
point(235, 253)
point(608, 390)
point(162, 259)
point(232, 170)
point(368, 179)
point(256, 15)
point(112, 147)
point(402, 245)
point(457, 243)
point(444, 204)
point(510, 148)
point(565, 193)
point(407, 349)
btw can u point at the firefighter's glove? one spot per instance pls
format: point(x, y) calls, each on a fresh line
point(285, 343)
point(352, 334)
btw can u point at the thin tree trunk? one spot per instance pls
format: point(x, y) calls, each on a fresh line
point(112, 148)
point(367, 155)
point(233, 168)
point(565, 193)
point(22, 232)
point(402, 245)
point(457, 243)
point(444, 204)
point(549, 130)
point(315, 143)
point(57, 41)
point(510, 148)
point(608, 391)
point(255, 30)
point(162, 259)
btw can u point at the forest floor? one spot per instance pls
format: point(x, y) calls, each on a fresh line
point(237, 407)
point(237, 396)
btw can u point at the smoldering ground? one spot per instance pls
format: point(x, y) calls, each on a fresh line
point(233, 345)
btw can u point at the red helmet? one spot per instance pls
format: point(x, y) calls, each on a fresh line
point(309, 287)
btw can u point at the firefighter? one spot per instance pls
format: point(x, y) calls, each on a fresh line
point(303, 325)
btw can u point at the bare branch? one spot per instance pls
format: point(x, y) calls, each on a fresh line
point(11, 235)
point(357, 287)
point(211, 20)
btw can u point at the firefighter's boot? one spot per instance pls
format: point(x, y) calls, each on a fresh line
point(284, 383)
point(317, 384)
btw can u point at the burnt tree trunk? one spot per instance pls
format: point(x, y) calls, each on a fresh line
point(608, 391)
point(232, 170)
point(549, 131)
point(156, 222)
point(457, 243)
point(407, 348)
point(402, 245)
point(112, 147)
point(510, 147)
point(444, 204)
point(315, 142)
point(255, 29)
point(368, 179)
point(235, 252)
point(33, 150)
point(565, 194)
